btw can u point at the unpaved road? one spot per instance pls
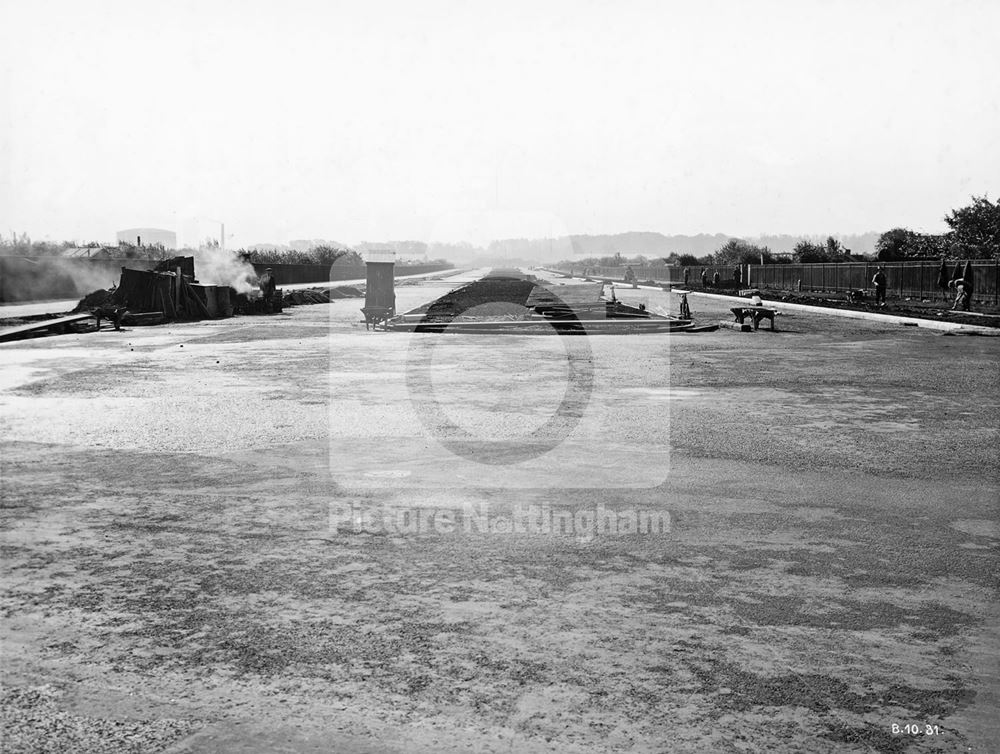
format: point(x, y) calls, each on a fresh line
point(174, 580)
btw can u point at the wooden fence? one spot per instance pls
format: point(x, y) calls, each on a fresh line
point(916, 280)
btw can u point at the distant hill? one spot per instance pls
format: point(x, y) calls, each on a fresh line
point(649, 244)
point(655, 245)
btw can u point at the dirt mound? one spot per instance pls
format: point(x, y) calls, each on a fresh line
point(320, 295)
point(93, 299)
point(298, 298)
point(487, 296)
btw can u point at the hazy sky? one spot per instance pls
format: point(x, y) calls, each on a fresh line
point(443, 120)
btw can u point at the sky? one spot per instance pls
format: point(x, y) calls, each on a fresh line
point(449, 121)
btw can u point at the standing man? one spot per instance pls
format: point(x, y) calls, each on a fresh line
point(880, 281)
point(704, 278)
point(267, 288)
point(687, 274)
point(685, 307)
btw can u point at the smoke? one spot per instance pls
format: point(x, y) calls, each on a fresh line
point(38, 279)
point(215, 266)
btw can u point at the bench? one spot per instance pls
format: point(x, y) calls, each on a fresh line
point(756, 314)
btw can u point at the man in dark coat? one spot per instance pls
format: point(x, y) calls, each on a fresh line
point(268, 285)
point(880, 282)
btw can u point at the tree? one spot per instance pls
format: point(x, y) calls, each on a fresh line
point(900, 244)
point(830, 250)
point(895, 244)
point(976, 228)
point(351, 258)
point(808, 252)
point(738, 251)
point(835, 252)
point(327, 254)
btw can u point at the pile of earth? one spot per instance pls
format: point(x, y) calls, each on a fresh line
point(320, 295)
point(100, 297)
point(491, 296)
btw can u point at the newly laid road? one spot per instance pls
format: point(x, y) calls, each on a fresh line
point(291, 534)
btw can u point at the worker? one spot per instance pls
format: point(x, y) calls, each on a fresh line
point(704, 278)
point(963, 294)
point(267, 288)
point(110, 312)
point(687, 274)
point(880, 281)
point(267, 283)
point(685, 308)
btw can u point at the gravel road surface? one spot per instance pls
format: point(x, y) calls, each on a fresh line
point(249, 535)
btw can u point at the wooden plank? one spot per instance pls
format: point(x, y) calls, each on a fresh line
point(43, 324)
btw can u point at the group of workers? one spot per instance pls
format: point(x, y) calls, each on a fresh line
point(716, 278)
point(962, 287)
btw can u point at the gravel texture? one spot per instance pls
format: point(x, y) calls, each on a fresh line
point(32, 722)
point(830, 567)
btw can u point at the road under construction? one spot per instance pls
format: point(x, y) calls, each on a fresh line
point(214, 533)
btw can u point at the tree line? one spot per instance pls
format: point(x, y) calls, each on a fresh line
point(973, 233)
point(21, 245)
